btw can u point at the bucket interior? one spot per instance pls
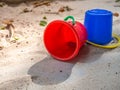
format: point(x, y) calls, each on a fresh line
point(60, 40)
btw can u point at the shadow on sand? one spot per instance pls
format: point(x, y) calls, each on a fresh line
point(50, 71)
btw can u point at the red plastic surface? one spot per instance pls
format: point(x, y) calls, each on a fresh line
point(63, 40)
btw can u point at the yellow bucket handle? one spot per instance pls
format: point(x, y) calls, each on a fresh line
point(108, 46)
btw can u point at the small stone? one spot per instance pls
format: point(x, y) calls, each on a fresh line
point(116, 14)
point(68, 8)
point(44, 17)
point(27, 42)
point(26, 10)
point(18, 43)
point(13, 41)
point(60, 70)
point(116, 73)
point(109, 64)
point(1, 47)
point(7, 36)
point(32, 58)
point(61, 9)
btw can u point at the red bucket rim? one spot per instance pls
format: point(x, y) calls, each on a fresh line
point(76, 37)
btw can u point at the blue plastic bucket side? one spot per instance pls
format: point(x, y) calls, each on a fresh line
point(99, 26)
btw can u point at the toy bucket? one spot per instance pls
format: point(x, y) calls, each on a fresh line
point(98, 23)
point(63, 40)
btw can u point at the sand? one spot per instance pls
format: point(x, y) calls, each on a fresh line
point(26, 65)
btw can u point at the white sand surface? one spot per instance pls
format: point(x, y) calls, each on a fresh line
point(26, 65)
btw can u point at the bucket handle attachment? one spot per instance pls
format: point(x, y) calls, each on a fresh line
point(70, 17)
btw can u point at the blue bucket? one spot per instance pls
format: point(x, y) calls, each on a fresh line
point(98, 23)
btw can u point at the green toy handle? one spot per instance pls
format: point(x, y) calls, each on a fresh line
point(70, 17)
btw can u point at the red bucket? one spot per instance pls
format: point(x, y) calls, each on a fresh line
point(63, 40)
